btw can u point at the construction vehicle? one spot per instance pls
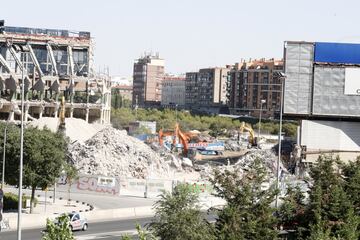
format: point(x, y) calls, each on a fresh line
point(186, 141)
point(253, 141)
point(183, 137)
point(163, 134)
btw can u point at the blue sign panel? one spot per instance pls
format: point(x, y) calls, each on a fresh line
point(337, 53)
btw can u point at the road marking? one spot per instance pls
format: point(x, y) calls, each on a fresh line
point(106, 235)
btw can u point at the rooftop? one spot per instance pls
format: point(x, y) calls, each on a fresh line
point(42, 32)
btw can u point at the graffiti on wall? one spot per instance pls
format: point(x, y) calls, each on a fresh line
point(98, 184)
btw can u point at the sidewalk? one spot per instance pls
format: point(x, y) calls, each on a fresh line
point(43, 210)
point(38, 219)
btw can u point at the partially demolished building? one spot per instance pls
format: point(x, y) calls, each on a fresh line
point(52, 63)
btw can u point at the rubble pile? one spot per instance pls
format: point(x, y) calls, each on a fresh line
point(76, 129)
point(267, 157)
point(111, 152)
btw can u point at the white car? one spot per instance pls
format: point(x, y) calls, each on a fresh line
point(78, 222)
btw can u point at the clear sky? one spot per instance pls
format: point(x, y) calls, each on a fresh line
point(190, 34)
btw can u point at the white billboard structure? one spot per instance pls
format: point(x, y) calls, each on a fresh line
point(323, 87)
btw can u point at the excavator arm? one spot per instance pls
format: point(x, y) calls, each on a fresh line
point(248, 128)
point(183, 139)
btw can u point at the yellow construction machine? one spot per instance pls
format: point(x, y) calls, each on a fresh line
point(253, 141)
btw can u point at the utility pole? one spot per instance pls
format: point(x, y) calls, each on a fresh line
point(21, 153)
point(3, 172)
point(262, 101)
point(136, 106)
point(176, 112)
point(282, 78)
point(4, 156)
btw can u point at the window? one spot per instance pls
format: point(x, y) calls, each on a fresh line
point(76, 217)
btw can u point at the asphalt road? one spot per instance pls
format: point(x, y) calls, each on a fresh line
point(97, 200)
point(107, 230)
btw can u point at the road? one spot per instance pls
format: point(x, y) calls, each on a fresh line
point(97, 200)
point(107, 230)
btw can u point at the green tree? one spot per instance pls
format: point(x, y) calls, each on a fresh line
point(291, 212)
point(121, 117)
point(178, 217)
point(351, 173)
point(71, 176)
point(141, 234)
point(247, 213)
point(330, 210)
point(59, 231)
point(44, 154)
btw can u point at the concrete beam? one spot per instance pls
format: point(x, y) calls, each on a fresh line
point(15, 56)
point(52, 58)
point(36, 62)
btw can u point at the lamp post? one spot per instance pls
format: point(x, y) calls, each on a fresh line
point(3, 169)
point(21, 150)
point(176, 112)
point(261, 104)
point(282, 77)
point(4, 155)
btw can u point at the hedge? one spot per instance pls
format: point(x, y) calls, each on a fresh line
point(11, 201)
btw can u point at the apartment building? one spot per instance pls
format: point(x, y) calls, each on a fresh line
point(173, 91)
point(252, 86)
point(205, 90)
point(52, 63)
point(125, 91)
point(147, 80)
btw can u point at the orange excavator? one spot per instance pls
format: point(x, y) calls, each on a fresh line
point(165, 134)
point(184, 138)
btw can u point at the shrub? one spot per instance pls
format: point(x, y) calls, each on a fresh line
point(11, 201)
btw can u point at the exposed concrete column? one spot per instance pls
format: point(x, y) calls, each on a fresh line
point(71, 111)
point(27, 107)
point(41, 111)
point(101, 116)
point(57, 105)
point(87, 114)
point(11, 115)
point(107, 116)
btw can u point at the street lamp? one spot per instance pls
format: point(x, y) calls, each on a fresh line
point(261, 104)
point(4, 155)
point(282, 77)
point(3, 169)
point(176, 112)
point(21, 146)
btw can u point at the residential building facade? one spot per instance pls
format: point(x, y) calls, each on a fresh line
point(252, 87)
point(205, 90)
point(173, 92)
point(147, 80)
point(125, 91)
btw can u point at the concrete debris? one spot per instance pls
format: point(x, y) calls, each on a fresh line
point(112, 152)
point(75, 128)
point(186, 162)
point(268, 158)
point(235, 146)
